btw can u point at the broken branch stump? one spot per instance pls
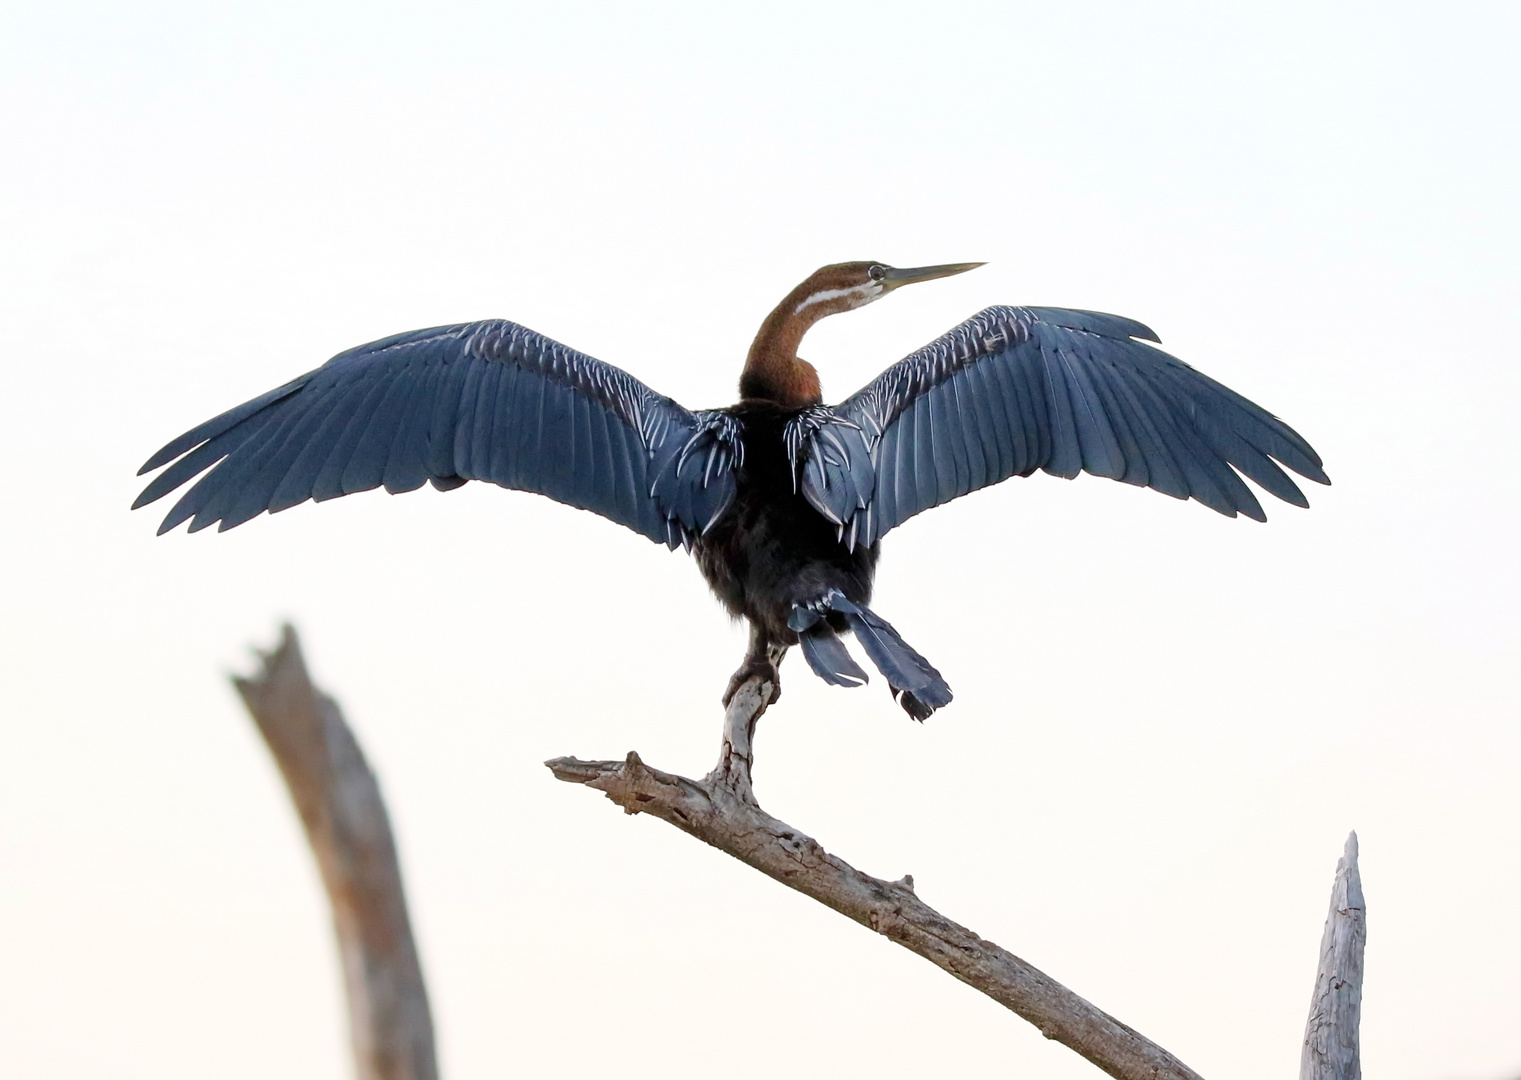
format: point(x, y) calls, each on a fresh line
point(1330, 1049)
point(339, 802)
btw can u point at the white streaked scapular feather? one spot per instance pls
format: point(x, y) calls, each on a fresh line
point(862, 294)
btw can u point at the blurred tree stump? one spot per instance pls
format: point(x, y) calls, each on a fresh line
point(339, 802)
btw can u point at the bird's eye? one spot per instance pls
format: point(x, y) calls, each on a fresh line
point(877, 273)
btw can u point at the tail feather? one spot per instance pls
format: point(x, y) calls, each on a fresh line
point(913, 679)
point(903, 667)
point(827, 656)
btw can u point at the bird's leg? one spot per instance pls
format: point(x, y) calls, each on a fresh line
point(760, 662)
point(754, 687)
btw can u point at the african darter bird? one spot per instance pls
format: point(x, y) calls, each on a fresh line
point(782, 499)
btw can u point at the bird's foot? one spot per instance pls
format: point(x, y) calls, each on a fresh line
point(762, 667)
point(921, 706)
point(912, 705)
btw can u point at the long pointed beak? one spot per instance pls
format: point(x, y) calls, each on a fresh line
point(895, 277)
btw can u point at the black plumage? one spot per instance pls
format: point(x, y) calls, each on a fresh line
point(782, 500)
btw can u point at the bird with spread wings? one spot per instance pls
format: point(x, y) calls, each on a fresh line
point(782, 500)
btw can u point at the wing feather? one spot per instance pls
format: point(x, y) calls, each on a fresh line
point(949, 470)
point(217, 425)
point(1195, 481)
point(921, 446)
point(1163, 471)
point(884, 504)
point(257, 488)
point(464, 422)
point(440, 461)
point(1013, 390)
point(1101, 451)
point(983, 438)
point(1066, 458)
point(366, 396)
point(367, 465)
point(966, 437)
point(1009, 418)
point(591, 468)
point(301, 476)
point(516, 449)
point(903, 474)
point(488, 400)
point(199, 460)
point(1121, 423)
point(490, 459)
point(1030, 391)
point(406, 465)
point(213, 500)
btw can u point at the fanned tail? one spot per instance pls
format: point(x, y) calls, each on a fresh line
point(916, 684)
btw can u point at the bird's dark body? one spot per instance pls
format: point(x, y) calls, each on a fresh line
point(772, 550)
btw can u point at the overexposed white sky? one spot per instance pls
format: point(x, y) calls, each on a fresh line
point(1165, 723)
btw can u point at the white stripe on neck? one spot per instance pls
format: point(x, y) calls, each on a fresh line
point(865, 293)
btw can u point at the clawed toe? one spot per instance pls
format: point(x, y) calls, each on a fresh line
point(761, 668)
point(916, 706)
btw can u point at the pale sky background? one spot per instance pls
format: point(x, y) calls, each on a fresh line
point(1165, 721)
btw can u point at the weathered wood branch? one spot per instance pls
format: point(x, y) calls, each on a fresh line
point(736, 755)
point(340, 805)
point(721, 810)
point(1330, 1049)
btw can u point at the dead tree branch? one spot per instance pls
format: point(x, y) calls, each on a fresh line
point(345, 818)
point(341, 808)
point(721, 810)
point(1331, 1034)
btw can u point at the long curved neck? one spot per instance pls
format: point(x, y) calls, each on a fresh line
point(773, 370)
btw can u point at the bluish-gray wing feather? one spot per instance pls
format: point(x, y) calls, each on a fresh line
point(1013, 390)
point(488, 401)
point(693, 473)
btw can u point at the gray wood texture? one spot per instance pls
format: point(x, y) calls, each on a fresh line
point(1330, 1049)
point(721, 810)
point(340, 805)
point(736, 754)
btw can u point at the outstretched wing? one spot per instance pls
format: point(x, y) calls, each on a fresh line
point(479, 401)
point(1012, 390)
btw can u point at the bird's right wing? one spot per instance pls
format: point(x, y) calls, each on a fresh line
point(1013, 390)
point(489, 401)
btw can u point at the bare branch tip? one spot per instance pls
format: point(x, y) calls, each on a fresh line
point(286, 654)
point(575, 771)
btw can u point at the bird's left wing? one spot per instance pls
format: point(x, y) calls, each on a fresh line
point(1012, 390)
point(489, 401)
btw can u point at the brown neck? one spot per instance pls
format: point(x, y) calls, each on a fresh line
point(773, 370)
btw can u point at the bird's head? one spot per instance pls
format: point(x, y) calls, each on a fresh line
point(844, 286)
point(773, 370)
